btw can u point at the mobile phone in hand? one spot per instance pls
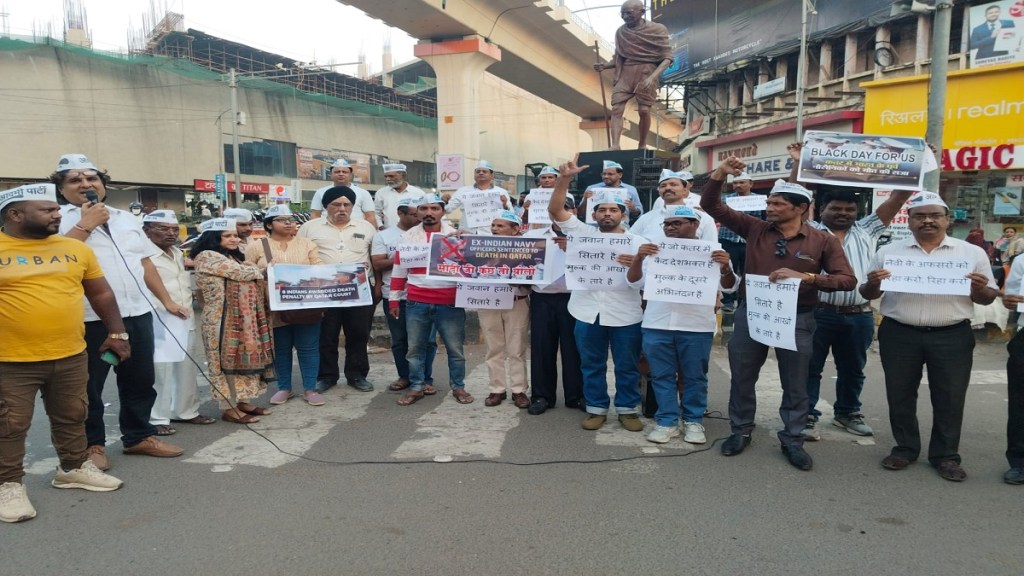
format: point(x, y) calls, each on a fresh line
point(110, 358)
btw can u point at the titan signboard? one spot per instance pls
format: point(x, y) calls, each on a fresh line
point(711, 34)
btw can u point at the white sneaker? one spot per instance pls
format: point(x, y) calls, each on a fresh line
point(694, 433)
point(14, 504)
point(88, 477)
point(662, 434)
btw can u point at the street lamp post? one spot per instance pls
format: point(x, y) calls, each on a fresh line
point(941, 23)
point(806, 6)
point(233, 83)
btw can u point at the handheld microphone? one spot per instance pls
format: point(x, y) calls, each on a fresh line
point(91, 196)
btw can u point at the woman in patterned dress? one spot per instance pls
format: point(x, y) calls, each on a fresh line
point(235, 327)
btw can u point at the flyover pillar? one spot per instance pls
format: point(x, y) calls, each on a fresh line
point(459, 66)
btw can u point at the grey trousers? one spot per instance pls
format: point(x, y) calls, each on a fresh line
point(747, 356)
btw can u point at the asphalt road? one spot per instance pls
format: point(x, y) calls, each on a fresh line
point(361, 493)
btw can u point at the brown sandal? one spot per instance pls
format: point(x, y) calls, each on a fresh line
point(461, 396)
point(244, 419)
point(429, 389)
point(398, 385)
point(410, 397)
point(253, 410)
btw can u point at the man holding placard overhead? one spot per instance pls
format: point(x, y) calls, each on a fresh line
point(928, 284)
point(781, 247)
point(604, 318)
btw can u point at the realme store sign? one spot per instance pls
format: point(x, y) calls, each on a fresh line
point(982, 140)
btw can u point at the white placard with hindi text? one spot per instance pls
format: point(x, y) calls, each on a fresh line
point(590, 207)
point(413, 255)
point(915, 275)
point(169, 343)
point(590, 261)
point(771, 310)
point(539, 199)
point(682, 272)
point(748, 203)
point(480, 208)
point(484, 296)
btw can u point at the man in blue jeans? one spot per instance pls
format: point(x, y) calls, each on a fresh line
point(604, 317)
point(677, 336)
point(845, 320)
point(429, 304)
point(382, 256)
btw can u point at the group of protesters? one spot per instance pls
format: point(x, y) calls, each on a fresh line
point(87, 287)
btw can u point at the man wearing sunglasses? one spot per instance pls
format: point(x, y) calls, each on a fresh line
point(782, 246)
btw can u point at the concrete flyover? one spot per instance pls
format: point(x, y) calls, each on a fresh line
point(542, 50)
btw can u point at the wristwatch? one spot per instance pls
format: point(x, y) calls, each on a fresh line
point(118, 336)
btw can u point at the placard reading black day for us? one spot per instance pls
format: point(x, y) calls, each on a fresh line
point(862, 160)
point(488, 259)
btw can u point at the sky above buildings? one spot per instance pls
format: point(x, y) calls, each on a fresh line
point(324, 31)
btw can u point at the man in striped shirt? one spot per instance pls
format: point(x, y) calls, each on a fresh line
point(845, 321)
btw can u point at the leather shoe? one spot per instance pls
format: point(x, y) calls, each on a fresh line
point(152, 446)
point(361, 384)
point(325, 385)
point(735, 444)
point(1014, 475)
point(950, 470)
point(797, 456)
point(494, 399)
point(538, 407)
point(98, 456)
point(520, 400)
point(894, 462)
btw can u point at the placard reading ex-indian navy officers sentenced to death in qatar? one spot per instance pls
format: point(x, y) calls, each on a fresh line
point(297, 286)
point(488, 259)
point(862, 160)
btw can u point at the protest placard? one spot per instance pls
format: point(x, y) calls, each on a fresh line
point(590, 261)
point(748, 203)
point(484, 296)
point(915, 275)
point(771, 310)
point(297, 286)
point(412, 255)
point(682, 272)
point(862, 160)
point(480, 208)
point(488, 259)
point(590, 206)
point(539, 199)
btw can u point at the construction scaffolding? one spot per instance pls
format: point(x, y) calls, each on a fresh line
point(221, 55)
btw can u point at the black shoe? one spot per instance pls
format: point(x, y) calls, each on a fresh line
point(361, 384)
point(1014, 475)
point(324, 385)
point(538, 406)
point(797, 456)
point(735, 444)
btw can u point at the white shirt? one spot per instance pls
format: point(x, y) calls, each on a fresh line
point(932, 309)
point(385, 202)
point(692, 200)
point(384, 244)
point(859, 246)
point(607, 308)
point(176, 278)
point(364, 201)
point(649, 226)
point(680, 317)
point(455, 203)
point(558, 286)
point(125, 276)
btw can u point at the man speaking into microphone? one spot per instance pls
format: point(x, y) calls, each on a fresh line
point(123, 252)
